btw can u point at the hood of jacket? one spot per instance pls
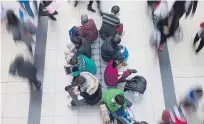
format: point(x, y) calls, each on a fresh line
point(91, 84)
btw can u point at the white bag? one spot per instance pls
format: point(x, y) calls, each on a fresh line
point(178, 35)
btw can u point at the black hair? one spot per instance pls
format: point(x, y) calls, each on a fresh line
point(120, 99)
point(116, 63)
point(199, 91)
point(19, 61)
point(115, 9)
point(80, 80)
point(73, 61)
point(12, 18)
point(116, 40)
point(77, 40)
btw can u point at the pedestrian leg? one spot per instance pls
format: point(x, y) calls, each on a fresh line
point(200, 46)
point(99, 7)
point(89, 6)
point(28, 9)
point(163, 40)
point(196, 39)
point(36, 82)
point(36, 5)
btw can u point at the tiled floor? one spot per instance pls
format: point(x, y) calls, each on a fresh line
point(187, 68)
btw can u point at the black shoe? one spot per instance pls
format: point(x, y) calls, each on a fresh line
point(90, 9)
point(76, 3)
point(53, 18)
point(132, 70)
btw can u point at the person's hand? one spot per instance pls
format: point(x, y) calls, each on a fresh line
point(166, 30)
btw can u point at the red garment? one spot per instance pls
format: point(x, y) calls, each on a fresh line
point(89, 30)
point(119, 29)
point(202, 25)
point(167, 118)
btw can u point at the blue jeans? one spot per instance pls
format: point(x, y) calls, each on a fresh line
point(26, 4)
point(115, 114)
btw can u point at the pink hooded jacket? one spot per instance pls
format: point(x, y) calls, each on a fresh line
point(111, 74)
point(89, 31)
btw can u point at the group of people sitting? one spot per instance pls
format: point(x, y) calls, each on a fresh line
point(85, 87)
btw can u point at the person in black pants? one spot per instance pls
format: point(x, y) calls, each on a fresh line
point(199, 36)
point(45, 13)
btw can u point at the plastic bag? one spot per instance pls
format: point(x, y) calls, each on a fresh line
point(178, 35)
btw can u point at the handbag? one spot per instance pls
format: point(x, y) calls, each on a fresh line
point(73, 32)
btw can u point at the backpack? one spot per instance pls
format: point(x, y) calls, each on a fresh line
point(137, 83)
point(73, 32)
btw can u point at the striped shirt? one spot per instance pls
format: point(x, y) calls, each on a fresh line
point(111, 19)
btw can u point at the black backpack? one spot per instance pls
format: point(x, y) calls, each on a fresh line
point(137, 83)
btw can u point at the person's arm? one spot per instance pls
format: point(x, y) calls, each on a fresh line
point(81, 32)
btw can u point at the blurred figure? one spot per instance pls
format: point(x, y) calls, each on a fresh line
point(88, 87)
point(26, 5)
point(112, 75)
point(25, 69)
point(110, 49)
point(80, 64)
point(88, 28)
point(111, 24)
point(199, 36)
point(19, 31)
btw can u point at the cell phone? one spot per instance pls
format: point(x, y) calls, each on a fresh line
point(67, 70)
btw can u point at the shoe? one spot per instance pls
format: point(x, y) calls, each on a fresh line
point(161, 47)
point(76, 3)
point(90, 9)
point(53, 18)
point(132, 70)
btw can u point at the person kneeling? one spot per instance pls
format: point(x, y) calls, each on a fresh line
point(117, 104)
point(87, 87)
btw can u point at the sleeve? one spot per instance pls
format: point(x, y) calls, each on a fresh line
point(81, 32)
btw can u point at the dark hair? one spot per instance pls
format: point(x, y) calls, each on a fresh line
point(77, 40)
point(116, 40)
point(73, 61)
point(80, 80)
point(19, 61)
point(120, 99)
point(12, 18)
point(115, 9)
point(199, 91)
point(116, 63)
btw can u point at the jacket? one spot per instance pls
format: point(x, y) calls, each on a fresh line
point(91, 90)
point(111, 74)
point(19, 32)
point(28, 70)
point(84, 48)
point(89, 31)
point(107, 97)
point(85, 65)
point(110, 51)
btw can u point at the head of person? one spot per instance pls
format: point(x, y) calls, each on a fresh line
point(119, 100)
point(198, 93)
point(115, 10)
point(19, 61)
point(84, 19)
point(77, 41)
point(117, 63)
point(12, 18)
point(80, 81)
point(73, 61)
point(116, 40)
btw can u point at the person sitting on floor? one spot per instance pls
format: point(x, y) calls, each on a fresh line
point(117, 104)
point(88, 87)
point(111, 50)
point(111, 23)
point(112, 75)
point(82, 63)
point(88, 29)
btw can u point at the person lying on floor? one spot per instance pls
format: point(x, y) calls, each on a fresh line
point(80, 64)
point(88, 87)
point(117, 105)
point(112, 75)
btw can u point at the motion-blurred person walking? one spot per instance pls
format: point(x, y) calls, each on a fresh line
point(25, 69)
point(19, 30)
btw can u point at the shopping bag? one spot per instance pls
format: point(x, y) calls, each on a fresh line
point(178, 35)
point(125, 53)
point(73, 32)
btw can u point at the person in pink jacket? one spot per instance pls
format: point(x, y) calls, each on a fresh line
point(88, 28)
point(112, 75)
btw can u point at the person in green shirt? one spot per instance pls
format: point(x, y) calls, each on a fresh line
point(82, 63)
point(117, 104)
